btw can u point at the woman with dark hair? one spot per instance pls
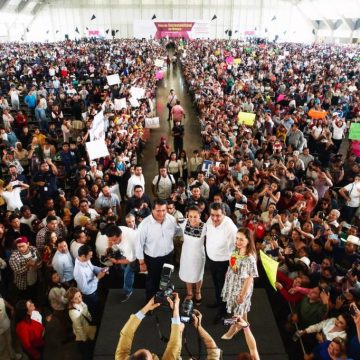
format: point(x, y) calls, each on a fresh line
point(162, 152)
point(192, 260)
point(239, 280)
point(173, 166)
point(29, 329)
point(184, 164)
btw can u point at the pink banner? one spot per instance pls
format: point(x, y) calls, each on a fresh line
point(173, 29)
point(229, 60)
point(159, 75)
point(94, 33)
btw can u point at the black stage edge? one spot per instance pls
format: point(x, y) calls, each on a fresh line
point(116, 314)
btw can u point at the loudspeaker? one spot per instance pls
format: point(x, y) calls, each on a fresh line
point(113, 33)
point(66, 37)
point(230, 33)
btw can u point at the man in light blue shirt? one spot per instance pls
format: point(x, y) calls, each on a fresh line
point(87, 277)
point(63, 263)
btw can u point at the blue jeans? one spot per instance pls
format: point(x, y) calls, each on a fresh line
point(128, 279)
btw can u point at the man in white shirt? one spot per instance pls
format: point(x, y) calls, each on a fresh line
point(63, 263)
point(121, 240)
point(94, 172)
point(220, 242)
point(204, 187)
point(136, 179)
point(27, 217)
point(162, 184)
point(154, 244)
point(283, 221)
point(80, 238)
point(85, 210)
point(351, 193)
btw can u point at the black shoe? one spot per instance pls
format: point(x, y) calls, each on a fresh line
point(125, 297)
point(212, 305)
point(219, 318)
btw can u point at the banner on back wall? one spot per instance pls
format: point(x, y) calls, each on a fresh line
point(194, 29)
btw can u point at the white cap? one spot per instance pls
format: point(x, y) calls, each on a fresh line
point(93, 163)
point(353, 240)
point(305, 260)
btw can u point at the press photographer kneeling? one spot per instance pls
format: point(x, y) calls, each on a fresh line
point(173, 348)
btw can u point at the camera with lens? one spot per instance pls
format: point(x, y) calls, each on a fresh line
point(186, 311)
point(166, 287)
point(111, 253)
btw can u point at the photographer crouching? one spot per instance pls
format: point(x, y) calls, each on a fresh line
point(173, 348)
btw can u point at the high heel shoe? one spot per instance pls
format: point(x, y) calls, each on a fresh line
point(198, 299)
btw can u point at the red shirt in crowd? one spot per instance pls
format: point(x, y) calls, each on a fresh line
point(30, 333)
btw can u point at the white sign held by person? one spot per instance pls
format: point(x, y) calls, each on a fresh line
point(137, 92)
point(97, 130)
point(120, 103)
point(152, 123)
point(134, 102)
point(96, 149)
point(159, 63)
point(113, 79)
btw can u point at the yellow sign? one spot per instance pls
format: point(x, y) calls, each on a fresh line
point(246, 118)
point(270, 267)
point(237, 61)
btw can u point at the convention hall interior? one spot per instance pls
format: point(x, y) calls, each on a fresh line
point(179, 179)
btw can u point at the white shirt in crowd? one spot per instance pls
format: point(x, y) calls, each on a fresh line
point(338, 132)
point(29, 221)
point(163, 189)
point(353, 191)
point(155, 239)
point(93, 216)
point(4, 319)
point(12, 199)
point(74, 248)
point(204, 188)
point(126, 246)
point(220, 240)
point(134, 180)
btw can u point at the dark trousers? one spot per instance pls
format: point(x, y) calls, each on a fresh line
point(337, 144)
point(86, 349)
point(218, 271)
point(92, 301)
point(178, 145)
point(154, 267)
point(347, 213)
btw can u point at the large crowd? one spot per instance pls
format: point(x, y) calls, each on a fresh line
point(287, 183)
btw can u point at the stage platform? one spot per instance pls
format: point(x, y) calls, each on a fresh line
point(116, 314)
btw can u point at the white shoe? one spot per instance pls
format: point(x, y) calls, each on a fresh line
point(18, 356)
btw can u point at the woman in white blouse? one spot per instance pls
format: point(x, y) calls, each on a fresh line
point(81, 319)
point(8, 119)
point(174, 166)
point(329, 329)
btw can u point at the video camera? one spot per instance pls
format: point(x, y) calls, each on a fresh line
point(166, 287)
point(112, 253)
